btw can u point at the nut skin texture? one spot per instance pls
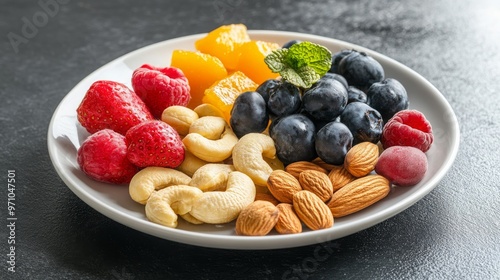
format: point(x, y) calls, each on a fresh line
point(180, 118)
point(297, 167)
point(324, 165)
point(316, 182)
point(283, 185)
point(210, 139)
point(361, 159)
point(249, 155)
point(339, 177)
point(257, 219)
point(288, 221)
point(153, 178)
point(358, 195)
point(165, 204)
point(266, 197)
point(312, 211)
point(190, 164)
point(206, 109)
point(211, 177)
point(223, 207)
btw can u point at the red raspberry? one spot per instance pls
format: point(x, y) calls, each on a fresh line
point(160, 88)
point(103, 157)
point(408, 128)
point(111, 105)
point(402, 165)
point(154, 143)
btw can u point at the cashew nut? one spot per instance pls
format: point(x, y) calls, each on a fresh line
point(188, 218)
point(209, 127)
point(164, 205)
point(249, 154)
point(206, 109)
point(190, 163)
point(179, 117)
point(152, 178)
point(210, 139)
point(211, 177)
point(222, 207)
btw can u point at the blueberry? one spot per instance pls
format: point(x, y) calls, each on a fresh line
point(356, 95)
point(387, 97)
point(360, 70)
point(267, 87)
point(249, 114)
point(336, 58)
point(290, 43)
point(329, 77)
point(364, 122)
point(326, 100)
point(293, 137)
point(333, 142)
point(284, 99)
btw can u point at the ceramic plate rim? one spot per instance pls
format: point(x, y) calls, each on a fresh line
point(243, 242)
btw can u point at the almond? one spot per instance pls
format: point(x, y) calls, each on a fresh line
point(324, 165)
point(316, 182)
point(312, 211)
point(339, 177)
point(257, 219)
point(358, 195)
point(288, 221)
point(296, 167)
point(361, 159)
point(283, 185)
point(266, 197)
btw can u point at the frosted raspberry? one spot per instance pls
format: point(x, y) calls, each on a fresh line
point(408, 128)
point(160, 88)
point(402, 165)
point(103, 157)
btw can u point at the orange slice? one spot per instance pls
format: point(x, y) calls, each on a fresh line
point(223, 92)
point(224, 43)
point(201, 70)
point(251, 61)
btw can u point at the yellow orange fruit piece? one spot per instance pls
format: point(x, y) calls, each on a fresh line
point(223, 92)
point(201, 70)
point(251, 61)
point(224, 43)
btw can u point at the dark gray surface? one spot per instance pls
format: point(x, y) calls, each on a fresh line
point(452, 233)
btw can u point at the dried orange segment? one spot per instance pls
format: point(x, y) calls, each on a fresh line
point(223, 92)
point(252, 63)
point(201, 70)
point(224, 43)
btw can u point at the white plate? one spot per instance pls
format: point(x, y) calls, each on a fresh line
point(65, 136)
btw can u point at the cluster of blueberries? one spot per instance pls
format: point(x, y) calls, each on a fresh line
point(348, 105)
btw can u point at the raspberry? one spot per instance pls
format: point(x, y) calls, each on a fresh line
point(154, 143)
point(103, 157)
point(111, 105)
point(402, 165)
point(160, 88)
point(408, 128)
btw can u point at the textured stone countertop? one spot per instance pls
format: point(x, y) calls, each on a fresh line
point(48, 46)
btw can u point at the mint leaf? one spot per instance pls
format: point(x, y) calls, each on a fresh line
point(302, 64)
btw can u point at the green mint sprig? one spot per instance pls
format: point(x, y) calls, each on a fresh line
point(302, 64)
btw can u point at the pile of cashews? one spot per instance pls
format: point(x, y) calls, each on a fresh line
point(219, 176)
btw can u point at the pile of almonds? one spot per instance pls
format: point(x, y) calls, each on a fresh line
point(314, 193)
